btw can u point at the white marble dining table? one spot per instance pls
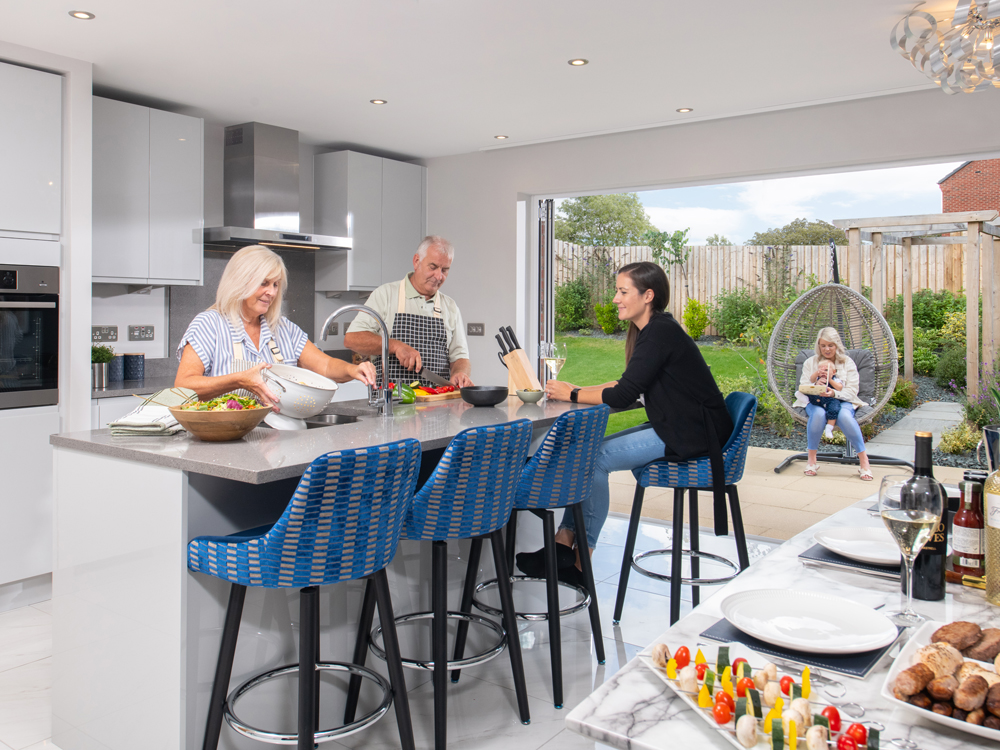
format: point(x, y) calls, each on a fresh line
point(635, 710)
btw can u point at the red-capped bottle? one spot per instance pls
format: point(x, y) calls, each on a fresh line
point(968, 532)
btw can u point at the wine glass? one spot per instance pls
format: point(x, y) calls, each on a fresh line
point(911, 514)
point(553, 355)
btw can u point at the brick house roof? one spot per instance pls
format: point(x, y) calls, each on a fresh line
point(973, 186)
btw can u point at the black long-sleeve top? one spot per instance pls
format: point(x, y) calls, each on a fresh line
point(680, 392)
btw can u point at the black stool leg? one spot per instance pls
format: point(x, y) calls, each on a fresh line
point(588, 577)
point(695, 543)
point(475, 552)
point(675, 557)
point(308, 638)
point(393, 661)
point(552, 595)
point(511, 537)
point(633, 530)
point(439, 641)
point(510, 623)
point(738, 533)
point(224, 667)
point(361, 649)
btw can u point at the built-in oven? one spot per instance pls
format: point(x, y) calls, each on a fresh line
point(29, 336)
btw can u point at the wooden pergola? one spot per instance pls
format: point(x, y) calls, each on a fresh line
point(974, 230)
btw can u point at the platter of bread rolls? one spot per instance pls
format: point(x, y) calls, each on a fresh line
point(948, 673)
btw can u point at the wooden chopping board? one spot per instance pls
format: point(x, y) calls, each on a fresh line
point(418, 399)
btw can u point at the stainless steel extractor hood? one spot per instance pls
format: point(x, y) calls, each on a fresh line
point(261, 192)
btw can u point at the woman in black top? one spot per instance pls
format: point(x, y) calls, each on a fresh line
point(664, 367)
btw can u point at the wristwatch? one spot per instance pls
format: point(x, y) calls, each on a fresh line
point(574, 395)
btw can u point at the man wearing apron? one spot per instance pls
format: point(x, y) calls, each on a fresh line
point(426, 327)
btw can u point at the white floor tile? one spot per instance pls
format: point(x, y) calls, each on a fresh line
point(45, 607)
point(26, 637)
point(25, 706)
point(568, 740)
point(43, 745)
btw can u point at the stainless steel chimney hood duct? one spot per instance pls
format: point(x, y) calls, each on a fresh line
point(261, 192)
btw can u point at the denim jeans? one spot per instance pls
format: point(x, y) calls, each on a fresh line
point(628, 449)
point(845, 421)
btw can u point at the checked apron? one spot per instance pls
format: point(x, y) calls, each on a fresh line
point(424, 333)
point(240, 364)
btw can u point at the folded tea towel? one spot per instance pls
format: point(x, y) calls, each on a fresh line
point(152, 417)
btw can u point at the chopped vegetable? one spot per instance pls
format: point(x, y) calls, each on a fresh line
point(831, 713)
point(846, 743)
point(704, 698)
point(738, 666)
point(774, 713)
point(786, 684)
point(754, 696)
point(873, 739)
point(793, 735)
point(744, 684)
point(777, 736)
point(672, 669)
point(796, 691)
point(721, 696)
point(722, 660)
point(741, 708)
point(710, 680)
point(746, 731)
point(858, 733)
point(699, 658)
point(806, 685)
point(722, 713)
point(701, 669)
point(821, 721)
point(683, 656)
point(229, 402)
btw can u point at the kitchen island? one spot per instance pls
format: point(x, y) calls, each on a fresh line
point(136, 636)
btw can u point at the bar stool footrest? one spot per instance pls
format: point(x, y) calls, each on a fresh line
point(689, 553)
point(582, 604)
point(322, 735)
point(428, 664)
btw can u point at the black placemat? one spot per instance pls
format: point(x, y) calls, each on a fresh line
point(851, 665)
point(820, 555)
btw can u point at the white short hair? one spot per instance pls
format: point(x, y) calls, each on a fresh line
point(244, 273)
point(433, 240)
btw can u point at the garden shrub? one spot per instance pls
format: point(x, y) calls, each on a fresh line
point(982, 410)
point(734, 312)
point(953, 330)
point(929, 308)
point(924, 361)
point(925, 338)
point(695, 318)
point(572, 306)
point(950, 370)
point(904, 395)
point(607, 318)
point(770, 413)
point(961, 438)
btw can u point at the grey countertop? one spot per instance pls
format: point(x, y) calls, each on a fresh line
point(266, 455)
point(131, 387)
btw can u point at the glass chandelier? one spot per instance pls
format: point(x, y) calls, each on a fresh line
point(961, 56)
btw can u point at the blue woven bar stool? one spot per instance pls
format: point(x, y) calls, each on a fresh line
point(468, 496)
point(559, 475)
point(342, 524)
point(692, 475)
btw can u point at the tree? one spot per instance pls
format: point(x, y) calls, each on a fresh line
point(603, 220)
point(670, 248)
point(717, 240)
point(801, 232)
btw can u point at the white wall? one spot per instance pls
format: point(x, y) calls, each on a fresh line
point(472, 198)
point(114, 306)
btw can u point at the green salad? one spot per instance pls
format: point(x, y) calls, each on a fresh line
point(229, 402)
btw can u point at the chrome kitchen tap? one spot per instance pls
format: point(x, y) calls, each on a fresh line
point(384, 400)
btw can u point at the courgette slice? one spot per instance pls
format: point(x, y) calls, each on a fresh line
point(822, 721)
point(777, 736)
point(722, 660)
point(872, 739)
point(796, 691)
point(741, 708)
point(754, 696)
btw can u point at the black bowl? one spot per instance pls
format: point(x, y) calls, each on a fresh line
point(484, 395)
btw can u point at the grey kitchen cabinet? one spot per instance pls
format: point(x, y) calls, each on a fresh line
point(148, 195)
point(30, 152)
point(377, 202)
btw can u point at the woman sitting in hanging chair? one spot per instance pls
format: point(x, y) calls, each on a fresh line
point(842, 384)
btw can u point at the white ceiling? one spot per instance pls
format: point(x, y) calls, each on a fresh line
point(458, 72)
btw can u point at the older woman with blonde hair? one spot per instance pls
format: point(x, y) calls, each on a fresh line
point(225, 348)
point(831, 366)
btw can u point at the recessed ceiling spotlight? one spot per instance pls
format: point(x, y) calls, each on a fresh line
point(683, 110)
point(82, 15)
point(500, 137)
point(577, 62)
point(378, 101)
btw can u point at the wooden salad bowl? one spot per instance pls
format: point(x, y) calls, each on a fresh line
point(219, 426)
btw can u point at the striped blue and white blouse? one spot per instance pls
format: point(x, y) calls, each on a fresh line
point(211, 336)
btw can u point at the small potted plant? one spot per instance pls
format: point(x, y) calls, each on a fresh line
point(100, 358)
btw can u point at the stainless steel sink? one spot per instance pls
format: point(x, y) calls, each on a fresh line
point(328, 420)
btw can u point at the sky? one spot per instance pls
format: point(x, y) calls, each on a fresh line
point(738, 210)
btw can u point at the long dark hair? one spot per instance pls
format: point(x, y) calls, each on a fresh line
point(646, 275)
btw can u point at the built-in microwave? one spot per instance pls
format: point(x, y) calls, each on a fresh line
point(29, 336)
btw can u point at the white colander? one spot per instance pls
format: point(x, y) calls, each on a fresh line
point(301, 393)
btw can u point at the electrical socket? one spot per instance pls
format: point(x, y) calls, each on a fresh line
point(103, 333)
point(475, 329)
point(140, 333)
point(333, 329)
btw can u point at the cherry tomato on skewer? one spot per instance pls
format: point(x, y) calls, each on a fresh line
point(743, 685)
point(833, 716)
point(858, 733)
point(682, 657)
point(721, 696)
point(723, 714)
point(786, 684)
point(846, 743)
point(700, 669)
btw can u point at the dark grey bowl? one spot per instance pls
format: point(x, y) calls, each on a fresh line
point(484, 395)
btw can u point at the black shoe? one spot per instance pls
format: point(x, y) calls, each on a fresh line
point(532, 564)
point(573, 576)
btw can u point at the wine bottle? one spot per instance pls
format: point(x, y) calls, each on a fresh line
point(991, 494)
point(928, 569)
point(968, 529)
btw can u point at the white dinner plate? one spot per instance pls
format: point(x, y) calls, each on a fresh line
point(867, 544)
point(810, 622)
point(920, 639)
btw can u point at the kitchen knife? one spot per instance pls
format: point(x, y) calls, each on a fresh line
point(433, 377)
point(506, 338)
point(502, 347)
point(513, 338)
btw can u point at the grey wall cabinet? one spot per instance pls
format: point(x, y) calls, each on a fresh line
point(377, 202)
point(148, 195)
point(30, 152)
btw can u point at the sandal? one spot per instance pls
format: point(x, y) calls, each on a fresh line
point(811, 469)
point(865, 474)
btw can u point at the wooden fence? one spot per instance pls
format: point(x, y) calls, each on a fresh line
point(711, 270)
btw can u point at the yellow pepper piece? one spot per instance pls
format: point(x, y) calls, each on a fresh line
point(793, 735)
point(672, 669)
point(774, 713)
point(704, 699)
point(727, 674)
point(806, 688)
point(699, 658)
point(727, 682)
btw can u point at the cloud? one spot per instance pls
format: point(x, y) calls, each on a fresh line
point(703, 222)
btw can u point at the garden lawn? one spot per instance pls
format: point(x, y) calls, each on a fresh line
point(592, 361)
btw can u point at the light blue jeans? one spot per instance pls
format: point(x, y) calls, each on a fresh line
point(627, 449)
point(845, 421)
